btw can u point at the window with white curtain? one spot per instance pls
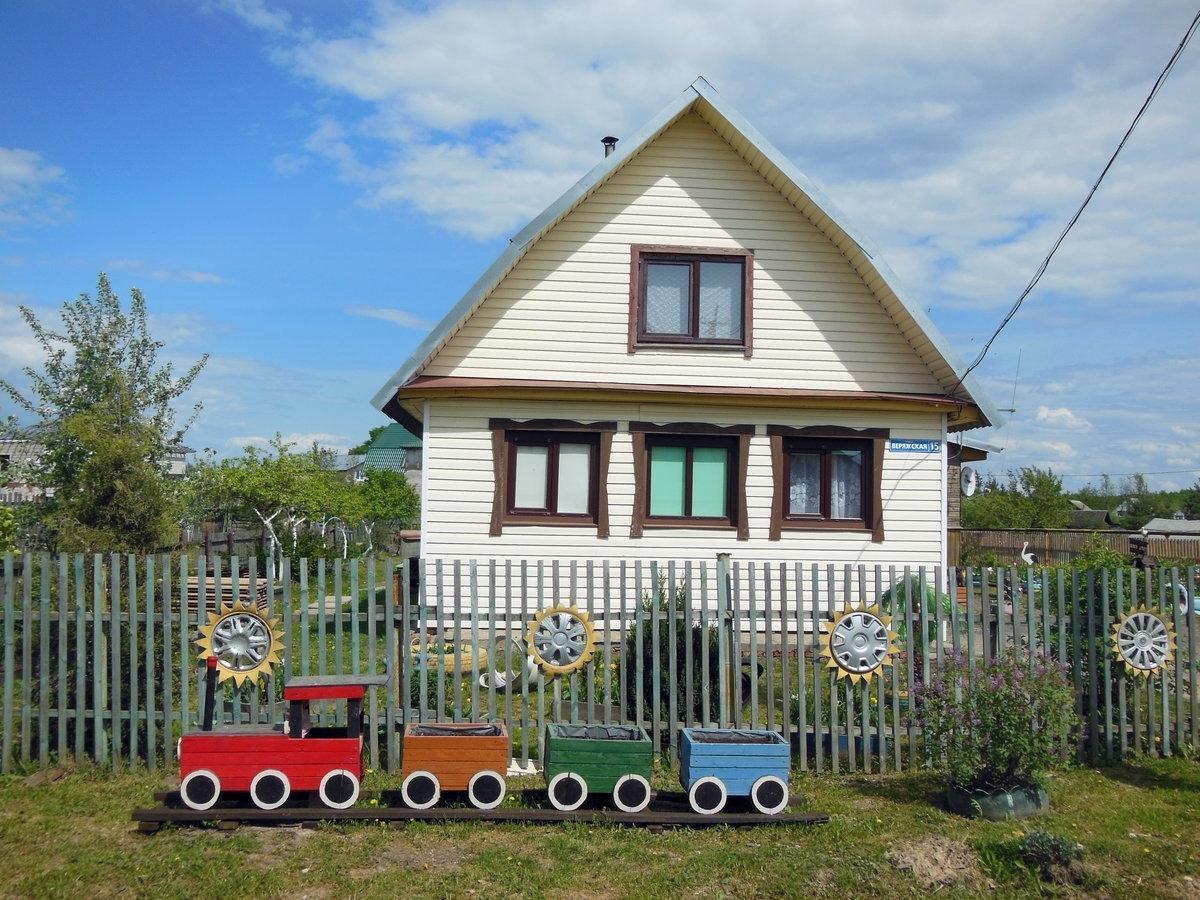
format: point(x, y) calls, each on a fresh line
point(691, 298)
point(552, 474)
point(827, 479)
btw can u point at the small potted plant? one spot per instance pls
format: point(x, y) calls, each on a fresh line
point(996, 730)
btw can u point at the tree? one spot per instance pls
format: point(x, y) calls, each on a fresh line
point(387, 496)
point(118, 501)
point(8, 530)
point(1191, 501)
point(101, 365)
point(1031, 498)
point(371, 435)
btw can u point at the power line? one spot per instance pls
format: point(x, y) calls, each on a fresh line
point(1041, 270)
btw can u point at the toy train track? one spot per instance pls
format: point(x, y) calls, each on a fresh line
point(666, 810)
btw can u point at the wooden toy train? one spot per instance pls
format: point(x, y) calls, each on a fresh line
point(271, 764)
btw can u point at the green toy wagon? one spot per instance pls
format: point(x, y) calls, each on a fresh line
point(591, 760)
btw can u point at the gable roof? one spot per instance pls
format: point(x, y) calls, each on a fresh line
point(702, 98)
point(395, 436)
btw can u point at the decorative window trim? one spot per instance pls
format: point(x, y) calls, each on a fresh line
point(502, 474)
point(872, 524)
point(641, 341)
point(738, 437)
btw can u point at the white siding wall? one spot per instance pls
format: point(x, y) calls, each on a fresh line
point(459, 484)
point(562, 313)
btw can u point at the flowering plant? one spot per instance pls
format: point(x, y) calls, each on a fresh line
point(998, 726)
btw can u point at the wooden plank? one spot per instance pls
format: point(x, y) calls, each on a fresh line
point(752, 616)
point(26, 657)
point(525, 681)
point(44, 663)
point(255, 689)
point(655, 657)
point(801, 669)
point(392, 700)
point(606, 594)
point(541, 685)
point(835, 752)
point(1180, 632)
point(1193, 663)
point(207, 567)
point(768, 648)
point(339, 617)
point(847, 687)
point(439, 674)
point(1122, 725)
point(1063, 625)
point(508, 611)
point(6, 751)
point(131, 568)
point(1105, 636)
point(168, 649)
point(81, 703)
point(100, 741)
point(151, 703)
point(673, 664)
point(881, 733)
point(288, 613)
point(1151, 706)
point(322, 620)
point(1077, 661)
point(185, 650)
point(64, 606)
point(865, 687)
point(1092, 670)
point(474, 642)
point(1163, 692)
point(785, 669)
point(674, 818)
point(897, 743)
point(458, 641)
point(304, 620)
point(910, 683)
point(639, 659)
point(1136, 683)
point(372, 666)
point(736, 611)
point(818, 678)
point(492, 595)
point(706, 706)
point(355, 636)
point(723, 660)
point(114, 627)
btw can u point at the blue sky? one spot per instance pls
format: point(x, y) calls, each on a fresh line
point(301, 187)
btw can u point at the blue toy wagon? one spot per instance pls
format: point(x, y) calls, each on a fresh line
point(718, 763)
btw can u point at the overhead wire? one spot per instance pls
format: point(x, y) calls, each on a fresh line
point(1041, 269)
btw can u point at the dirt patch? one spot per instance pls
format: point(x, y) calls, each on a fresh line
point(938, 862)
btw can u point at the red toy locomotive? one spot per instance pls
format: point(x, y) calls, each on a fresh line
point(270, 763)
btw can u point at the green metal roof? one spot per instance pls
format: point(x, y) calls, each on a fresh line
point(394, 437)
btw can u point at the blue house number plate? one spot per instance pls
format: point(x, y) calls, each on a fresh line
point(909, 445)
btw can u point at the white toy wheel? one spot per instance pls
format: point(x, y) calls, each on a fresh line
point(420, 790)
point(567, 791)
point(769, 795)
point(631, 793)
point(707, 795)
point(486, 789)
point(201, 789)
point(339, 789)
point(270, 789)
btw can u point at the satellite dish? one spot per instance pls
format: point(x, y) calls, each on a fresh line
point(968, 480)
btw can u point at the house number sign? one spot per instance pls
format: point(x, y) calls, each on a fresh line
point(912, 445)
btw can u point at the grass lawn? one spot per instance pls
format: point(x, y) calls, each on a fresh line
point(1139, 826)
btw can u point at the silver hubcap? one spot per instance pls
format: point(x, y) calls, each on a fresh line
point(241, 642)
point(1143, 641)
point(860, 642)
point(560, 639)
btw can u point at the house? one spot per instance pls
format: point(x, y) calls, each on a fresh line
point(1085, 518)
point(350, 466)
point(177, 460)
point(691, 351)
point(1172, 528)
point(15, 455)
point(396, 449)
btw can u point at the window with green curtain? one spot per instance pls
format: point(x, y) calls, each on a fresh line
point(710, 470)
point(667, 479)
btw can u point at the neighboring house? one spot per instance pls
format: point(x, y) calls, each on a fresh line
point(15, 455)
point(961, 450)
point(399, 450)
point(1122, 509)
point(1172, 528)
point(1085, 518)
point(350, 466)
point(177, 460)
point(691, 351)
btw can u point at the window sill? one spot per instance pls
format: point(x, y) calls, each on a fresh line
point(549, 521)
point(825, 525)
point(694, 524)
point(680, 345)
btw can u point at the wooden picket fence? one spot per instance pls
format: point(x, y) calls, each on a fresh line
point(100, 664)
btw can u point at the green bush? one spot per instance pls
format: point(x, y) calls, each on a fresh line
point(905, 600)
point(1047, 852)
point(1000, 726)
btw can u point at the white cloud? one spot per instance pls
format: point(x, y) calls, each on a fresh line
point(18, 347)
point(256, 14)
point(29, 188)
point(142, 269)
point(395, 316)
point(300, 440)
point(290, 163)
point(1063, 418)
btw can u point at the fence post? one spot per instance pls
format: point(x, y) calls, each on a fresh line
point(723, 655)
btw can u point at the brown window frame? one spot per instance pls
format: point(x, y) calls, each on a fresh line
point(552, 440)
point(507, 434)
point(735, 438)
point(641, 254)
point(871, 442)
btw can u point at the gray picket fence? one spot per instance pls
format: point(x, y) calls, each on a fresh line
point(100, 661)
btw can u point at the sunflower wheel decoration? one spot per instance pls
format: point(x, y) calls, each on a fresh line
point(858, 643)
point(561, 639)
point(1144, 641)
point(245, 642)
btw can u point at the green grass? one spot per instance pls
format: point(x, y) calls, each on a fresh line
point(1137, 824)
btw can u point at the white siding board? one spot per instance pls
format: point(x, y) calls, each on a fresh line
point(817, 324)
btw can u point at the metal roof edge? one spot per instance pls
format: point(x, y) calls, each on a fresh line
point(458, 313)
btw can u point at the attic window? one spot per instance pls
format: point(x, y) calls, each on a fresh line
point(691, 297)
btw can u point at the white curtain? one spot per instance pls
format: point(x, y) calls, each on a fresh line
point(847, 485)
point(804, 490)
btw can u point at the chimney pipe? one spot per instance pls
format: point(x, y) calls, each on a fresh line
point(610, 144)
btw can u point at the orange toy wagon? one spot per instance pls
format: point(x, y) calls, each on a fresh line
point(453, 756)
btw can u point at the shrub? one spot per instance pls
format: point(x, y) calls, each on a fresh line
point(904, 601)
point(1000, 726)
point(1048, 852)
